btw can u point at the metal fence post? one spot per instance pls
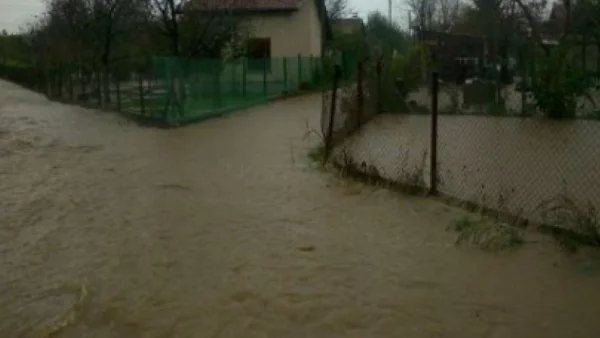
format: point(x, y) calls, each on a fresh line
point(379, 70)
point(265, 76)
point(524, 79)
point(118, 94)
point(330, 127)
point(70, 84)
point(299, 70)
point(141, 89)
point(314, 69)
point(311, 75)
point(285, 74)
point(60, 83)
point(598, 59)
point(82, 82)
point(219, 85)
point(434, 132)
point(244, 76)
point(584, 54)
point(99, 89)
point(233, 77)
point(51, 80)
point(359, 93)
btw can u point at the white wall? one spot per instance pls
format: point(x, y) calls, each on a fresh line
point(291, 33)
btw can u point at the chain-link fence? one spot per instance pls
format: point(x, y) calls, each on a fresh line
point(365, 105)
point(532, 165)
point(349, 103)
point(172, 91)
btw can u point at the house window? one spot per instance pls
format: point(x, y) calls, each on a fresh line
point(259, 54)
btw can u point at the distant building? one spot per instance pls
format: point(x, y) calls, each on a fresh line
point(278, 28)
point(449, 50)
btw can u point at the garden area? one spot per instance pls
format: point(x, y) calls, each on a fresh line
point(150, 62)
point(504, 126)
point(174, 91)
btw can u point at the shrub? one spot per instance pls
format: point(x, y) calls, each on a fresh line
point(488, 234)
point(559, 83)
point(571, 223)
point(411, 66)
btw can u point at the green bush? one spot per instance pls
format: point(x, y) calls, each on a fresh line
point(351, 44)
point(411, 66)
point(558, 83)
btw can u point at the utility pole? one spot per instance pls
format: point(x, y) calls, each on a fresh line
point(410, 26)
point(390, 10)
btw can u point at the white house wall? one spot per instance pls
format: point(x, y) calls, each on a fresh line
point(291, 33)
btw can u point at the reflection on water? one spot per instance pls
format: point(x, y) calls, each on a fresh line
point(222, 230)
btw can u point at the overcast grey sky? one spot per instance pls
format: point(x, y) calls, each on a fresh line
point(14, 13)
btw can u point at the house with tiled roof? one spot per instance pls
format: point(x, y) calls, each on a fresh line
point(278, 28)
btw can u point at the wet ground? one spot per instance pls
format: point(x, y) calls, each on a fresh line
point(222, 229)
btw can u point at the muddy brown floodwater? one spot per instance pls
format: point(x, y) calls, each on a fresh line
point(222, 229)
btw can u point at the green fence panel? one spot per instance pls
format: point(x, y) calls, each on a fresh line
point(179, 90)
point(186, 90)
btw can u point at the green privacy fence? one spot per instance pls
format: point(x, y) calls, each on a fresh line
point(178, 91)
point(173, 91)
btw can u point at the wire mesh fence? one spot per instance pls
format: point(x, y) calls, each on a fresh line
point(173, 91)
point(421, 136)
point(210, 87)
point(352, 100)
point(26, 76)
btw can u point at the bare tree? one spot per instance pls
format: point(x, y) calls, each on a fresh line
point(533, 21)
point(88, 37)
point(338, 9)
point(84, 33)
point(200, 27)
point(51, 40)
point(167, 12)
point(424, 13)
point(448, 12)
point(111, 20)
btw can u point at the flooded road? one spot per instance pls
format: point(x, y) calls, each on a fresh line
point(222, 229)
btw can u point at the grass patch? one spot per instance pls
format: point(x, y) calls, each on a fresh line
point(487, 234)
point(495, 229)
point(317, 153)
point(414, 180)
point(569, 223)
point(410, 182)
